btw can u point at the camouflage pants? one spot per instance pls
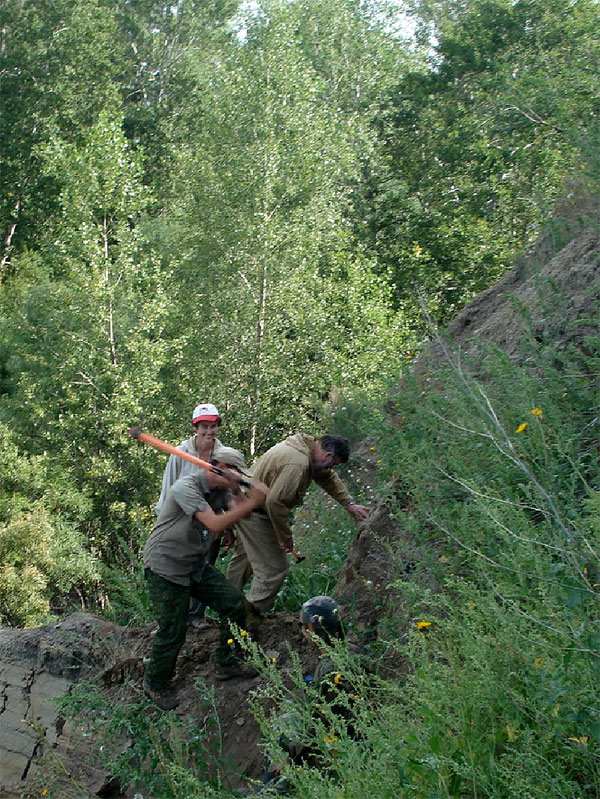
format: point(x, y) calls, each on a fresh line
point(197, 608)
point(170, 603)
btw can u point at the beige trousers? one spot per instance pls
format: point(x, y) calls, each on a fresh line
point(257, 552)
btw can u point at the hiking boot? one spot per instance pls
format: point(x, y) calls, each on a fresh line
point(254, 618)
point(165, 699)
point(233, 671)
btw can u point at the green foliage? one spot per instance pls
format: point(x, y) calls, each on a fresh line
point(500, 481)
point(82, 339)
point(322, 533)
point(348, 731)
point(480, 145)
point(126, 590)
point(354, 415)
point(191, 214)
point(166, 755)
point(259, 239)
point(43, 554)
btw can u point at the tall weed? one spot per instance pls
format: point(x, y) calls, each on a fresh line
point(499, 479)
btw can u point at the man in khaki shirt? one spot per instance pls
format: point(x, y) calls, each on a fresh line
point(264, 539)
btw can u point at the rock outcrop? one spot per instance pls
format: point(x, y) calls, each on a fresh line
point(37, 666)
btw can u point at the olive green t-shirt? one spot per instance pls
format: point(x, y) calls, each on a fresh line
point(178, 543)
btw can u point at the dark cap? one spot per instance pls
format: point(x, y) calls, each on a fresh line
point(323, 613)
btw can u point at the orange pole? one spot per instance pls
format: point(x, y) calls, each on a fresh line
point(158, 443)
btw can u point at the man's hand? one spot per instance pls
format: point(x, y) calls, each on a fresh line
point(288, 544)
point(358, 512)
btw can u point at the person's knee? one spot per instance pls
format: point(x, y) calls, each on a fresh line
point(272, 571)
point(171, 634)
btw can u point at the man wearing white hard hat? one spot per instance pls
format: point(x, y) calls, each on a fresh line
point(204, 445)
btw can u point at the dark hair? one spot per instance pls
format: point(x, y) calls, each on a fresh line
point(322, 612)
point(218, 499)
point(338, 445)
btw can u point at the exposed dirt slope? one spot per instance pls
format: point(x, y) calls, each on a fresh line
point(555, 303)
point(38, 750)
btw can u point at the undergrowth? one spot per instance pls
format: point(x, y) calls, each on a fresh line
point(497, 479)
point(162, 755)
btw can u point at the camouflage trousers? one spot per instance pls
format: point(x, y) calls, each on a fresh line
point(170, 603)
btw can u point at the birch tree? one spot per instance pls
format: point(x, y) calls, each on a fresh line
point(279, 304)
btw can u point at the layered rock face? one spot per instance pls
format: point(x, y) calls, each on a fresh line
point(37, 666)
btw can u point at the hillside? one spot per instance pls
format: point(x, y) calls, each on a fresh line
point(540, 298)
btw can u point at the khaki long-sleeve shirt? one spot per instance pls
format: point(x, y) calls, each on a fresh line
point(286, 469)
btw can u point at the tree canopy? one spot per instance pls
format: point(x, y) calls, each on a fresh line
point(248, 203)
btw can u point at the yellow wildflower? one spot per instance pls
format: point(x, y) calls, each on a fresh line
point(273, 660)
point(330, 739)
point(337, 677)
point(583, 740)
point(243, 633)
point(422, 625)
point(521, 427)
point(230, 641)
point(539, 662)
point(371, 449)
point(536, 411)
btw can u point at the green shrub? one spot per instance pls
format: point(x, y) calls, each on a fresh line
point(499, 484)
point(159, 753)
point(43, 559)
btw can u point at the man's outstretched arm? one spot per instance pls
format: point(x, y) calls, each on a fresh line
point(333, 485)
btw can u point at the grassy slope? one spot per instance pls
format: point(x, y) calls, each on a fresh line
point(496, 482)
